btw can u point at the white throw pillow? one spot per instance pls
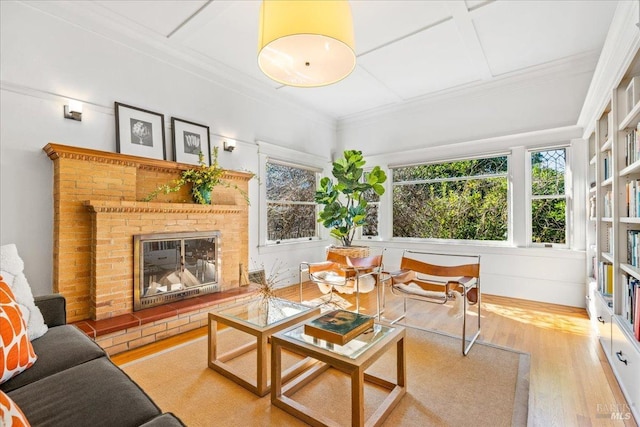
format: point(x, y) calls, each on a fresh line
point(11, 269)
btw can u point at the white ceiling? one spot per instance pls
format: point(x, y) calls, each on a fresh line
point(407, 50)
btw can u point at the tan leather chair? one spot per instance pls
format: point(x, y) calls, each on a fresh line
point(344, 274)
point(427, 282)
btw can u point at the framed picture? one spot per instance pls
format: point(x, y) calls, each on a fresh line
point(189, 139)
point(139, 132)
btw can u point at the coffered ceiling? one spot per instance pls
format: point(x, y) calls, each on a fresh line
point(407, 50)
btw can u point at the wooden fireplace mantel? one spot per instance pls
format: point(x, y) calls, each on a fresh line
point(123, 206)
point(55, 151)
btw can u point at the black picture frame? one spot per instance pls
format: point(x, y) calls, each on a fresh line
point(189, 139)
point(139, 132)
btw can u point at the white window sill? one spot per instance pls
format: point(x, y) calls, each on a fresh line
point(476, 247)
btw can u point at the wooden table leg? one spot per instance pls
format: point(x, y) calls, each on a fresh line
point(357, 397)
point(212, 338)
point(281, 395)
point(276, 369)
point(263, 387)
point(401, 375)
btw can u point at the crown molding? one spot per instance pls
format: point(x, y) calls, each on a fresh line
point(565, 67)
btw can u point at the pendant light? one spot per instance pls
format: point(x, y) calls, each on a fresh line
point(306, 43)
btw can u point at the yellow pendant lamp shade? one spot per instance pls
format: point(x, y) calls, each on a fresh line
point(306, 43)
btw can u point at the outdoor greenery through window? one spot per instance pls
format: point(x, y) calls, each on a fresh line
point(370, 229)
point(291, 208)
point(548, 196)
point(463, 199)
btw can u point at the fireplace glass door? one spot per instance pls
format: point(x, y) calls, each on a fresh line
point(175, 266)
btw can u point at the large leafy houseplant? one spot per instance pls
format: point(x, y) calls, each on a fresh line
point(344, 199)
point(203, 179)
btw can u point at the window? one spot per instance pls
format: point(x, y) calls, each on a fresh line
point(463, 199)
point(548, 196)
point(291, 209)
point(373, 203)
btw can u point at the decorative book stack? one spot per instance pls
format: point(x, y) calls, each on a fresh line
point(338, 326)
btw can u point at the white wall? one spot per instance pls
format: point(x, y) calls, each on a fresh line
point(46, 60)
point(535, 274)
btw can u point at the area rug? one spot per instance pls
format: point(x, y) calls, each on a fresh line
point(489, 387)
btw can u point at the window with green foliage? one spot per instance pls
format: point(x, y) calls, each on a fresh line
point(463, 200)
point(291, 208)
point(370, 229)
point(548, 196)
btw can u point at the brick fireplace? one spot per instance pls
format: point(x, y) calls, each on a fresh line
point(97, 213)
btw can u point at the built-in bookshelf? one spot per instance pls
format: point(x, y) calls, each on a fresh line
point(613, 231)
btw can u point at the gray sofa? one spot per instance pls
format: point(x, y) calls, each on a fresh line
point(74, 383)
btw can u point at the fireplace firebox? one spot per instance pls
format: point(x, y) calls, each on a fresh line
point(170, 267)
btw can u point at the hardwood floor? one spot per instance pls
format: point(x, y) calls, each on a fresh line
point(571, 382)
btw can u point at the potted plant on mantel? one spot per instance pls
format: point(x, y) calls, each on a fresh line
point(203, 179)
point(344, 203)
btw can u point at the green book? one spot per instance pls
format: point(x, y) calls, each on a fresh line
point(338, 326)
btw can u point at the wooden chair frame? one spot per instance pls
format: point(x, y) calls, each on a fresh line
point(347, 268)
point(441, 281)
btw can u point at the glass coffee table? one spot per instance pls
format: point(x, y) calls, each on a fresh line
point(353, 358)
point(260, 317)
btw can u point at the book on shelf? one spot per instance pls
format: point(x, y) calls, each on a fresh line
point(608, 163)
point(338, 326)
point(605, 278)
point(632, 146)
point(632, 285)
point(636, 313)
point(608, 204)
point(633, 236)
point(632, 198)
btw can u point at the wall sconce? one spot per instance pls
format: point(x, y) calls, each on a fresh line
point(73, 111)
point(228, 145)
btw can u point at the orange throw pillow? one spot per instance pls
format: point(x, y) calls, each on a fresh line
point(16, 351)
point(10, 414)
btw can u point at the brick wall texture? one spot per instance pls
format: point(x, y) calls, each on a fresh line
point(98, 208)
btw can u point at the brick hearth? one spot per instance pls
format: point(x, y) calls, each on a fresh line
point(97, 211)
point(142, 327)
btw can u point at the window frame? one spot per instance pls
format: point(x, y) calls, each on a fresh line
point(359, 233)
point(567, 196)
point(316, 173)
point(270, 153)
point(507, 175)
